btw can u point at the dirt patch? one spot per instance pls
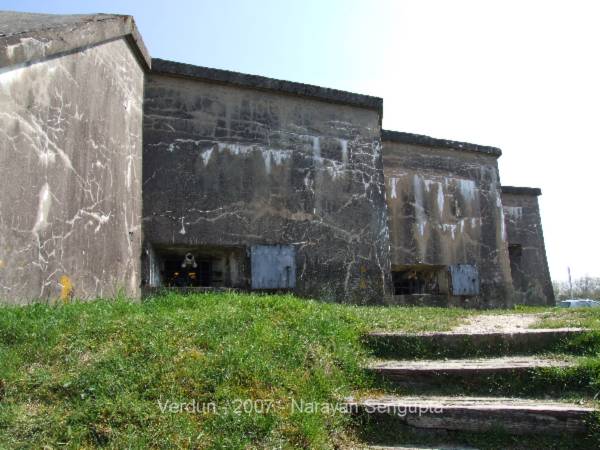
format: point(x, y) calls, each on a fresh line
point(497, 323)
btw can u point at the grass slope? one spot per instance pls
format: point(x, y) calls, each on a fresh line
point(93, 374)
point(107, 373)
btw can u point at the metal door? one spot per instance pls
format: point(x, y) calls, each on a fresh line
point(273, 266)
point(465, 279)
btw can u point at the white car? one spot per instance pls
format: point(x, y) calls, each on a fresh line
point(579, 303)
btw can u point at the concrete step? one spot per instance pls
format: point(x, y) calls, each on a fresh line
point(475, 414)
point(418, 447)
point(462, 371)
point(466, 344)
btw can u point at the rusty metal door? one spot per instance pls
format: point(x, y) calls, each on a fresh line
point(273, 266)
point(465, 279)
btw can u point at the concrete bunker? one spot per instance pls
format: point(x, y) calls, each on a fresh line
point(526, 248)
point(446, 222)
point(71, 95)
point(292, 174)
point(215, 179)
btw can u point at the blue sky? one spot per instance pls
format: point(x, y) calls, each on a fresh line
point(522, 76)
point(311, 41)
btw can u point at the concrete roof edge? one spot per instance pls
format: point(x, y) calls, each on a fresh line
point(164, 67)
point(53, 37)
point(427, 141)
point(521, 190)
point(138, 43)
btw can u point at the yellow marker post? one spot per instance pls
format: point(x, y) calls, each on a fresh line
point(66, 291)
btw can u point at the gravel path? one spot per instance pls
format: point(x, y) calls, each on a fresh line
point(502, 323)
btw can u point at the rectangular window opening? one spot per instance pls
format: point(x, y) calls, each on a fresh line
point(420, 279)
point(515, 255)
point(185, 266)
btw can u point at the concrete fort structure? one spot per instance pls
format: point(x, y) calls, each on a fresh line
point(238, 168)
point(445, 212)
point(526, 248)
point(71, 96)
point(246, 182)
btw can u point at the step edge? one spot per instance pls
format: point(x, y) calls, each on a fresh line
point(396, 402)
point(527, 331)
point(380, 367)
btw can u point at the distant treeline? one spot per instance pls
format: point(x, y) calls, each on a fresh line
point(585, 287)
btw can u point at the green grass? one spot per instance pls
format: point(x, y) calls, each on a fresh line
point(93, 374)
point(571, 317)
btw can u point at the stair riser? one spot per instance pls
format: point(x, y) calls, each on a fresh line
point(469, 345)
point(514, 422)
point(470, 377)
point(389, 430)
point(515, 382)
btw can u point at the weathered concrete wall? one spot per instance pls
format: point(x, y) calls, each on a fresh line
point(232, 166)
point(445, 208)
point(70, 191)
point(529, 266)
point(232, 161)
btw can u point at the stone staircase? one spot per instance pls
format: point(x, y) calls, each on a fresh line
point(468, 398)
point(413, 373)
